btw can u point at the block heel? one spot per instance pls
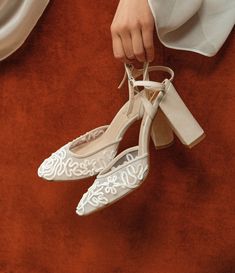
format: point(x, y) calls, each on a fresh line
point(180, 118)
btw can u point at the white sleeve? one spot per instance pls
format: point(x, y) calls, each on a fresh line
point(201, 26)
point(17, 19)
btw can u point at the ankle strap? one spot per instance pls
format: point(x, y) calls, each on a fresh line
point(131, 73)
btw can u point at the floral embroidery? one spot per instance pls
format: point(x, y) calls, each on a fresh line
point(104, 190)
point(57, 165)
point(111, 185)
point(61, 163)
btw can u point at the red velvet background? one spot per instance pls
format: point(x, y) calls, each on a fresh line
point(63, 82)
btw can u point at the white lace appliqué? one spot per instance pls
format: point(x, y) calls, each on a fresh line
point(61, 164)
point(106, 190)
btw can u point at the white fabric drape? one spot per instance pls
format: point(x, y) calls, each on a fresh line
point(201, 26)
point(17, 19)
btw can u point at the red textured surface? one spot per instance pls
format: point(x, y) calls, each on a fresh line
point(62, 83)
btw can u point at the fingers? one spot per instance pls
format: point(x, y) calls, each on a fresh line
point(127, 45)
point(137, 43)
point(122, 46)
point(118, 50)
point(147, 35)
point(138, 46)
point(132, 31)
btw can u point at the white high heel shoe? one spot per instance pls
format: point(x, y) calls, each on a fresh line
point(17, 19)
point(89, 154)
point(128, 170)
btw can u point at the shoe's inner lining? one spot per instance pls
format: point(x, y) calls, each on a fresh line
point(126, 158)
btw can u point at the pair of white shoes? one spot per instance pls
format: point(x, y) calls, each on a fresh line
point(162, 111)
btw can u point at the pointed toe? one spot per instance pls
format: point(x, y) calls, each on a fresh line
point(46, 170)
point(66, 165)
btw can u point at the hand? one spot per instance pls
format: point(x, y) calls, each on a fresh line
point(132, 31)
